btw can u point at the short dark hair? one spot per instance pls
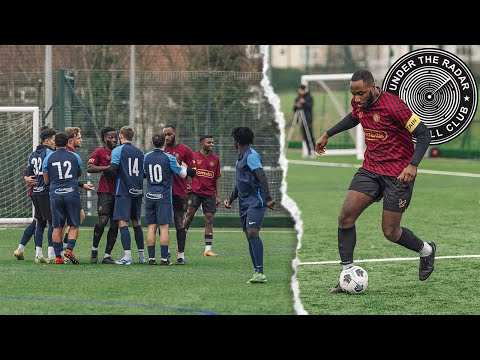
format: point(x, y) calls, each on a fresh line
point(47, 133)
point(364, 75)
point(303, 87)
point(243, 135)
point(206, 137)
point(170, 126)
point(158, 140)
point(61, 140)
point(105, 131)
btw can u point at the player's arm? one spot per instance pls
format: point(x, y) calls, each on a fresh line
point(92, 168)
point(46, 178)
point(418, 129)
point(423, 136)
point(217, 191)
point(262, 180)
point(346, 123)
point(228, 202)
point(114, 163)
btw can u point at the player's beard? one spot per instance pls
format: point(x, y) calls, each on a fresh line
point(172, 141)
point(369, 101)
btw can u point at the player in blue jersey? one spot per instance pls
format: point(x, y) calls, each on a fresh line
point(127, 161)
point(61, 170)
point(41, 196)
point(160, 168)
point(251, 188)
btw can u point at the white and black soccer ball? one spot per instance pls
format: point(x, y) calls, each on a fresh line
point(354, 280)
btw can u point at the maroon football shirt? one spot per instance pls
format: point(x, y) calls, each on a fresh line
point(101, 156)
point(183, 153)
point(389, 145)
point(208, 171)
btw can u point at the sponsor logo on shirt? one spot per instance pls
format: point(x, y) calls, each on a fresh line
point(371, 134)
point(135, 191)
point(63, 190)
point(205, 173)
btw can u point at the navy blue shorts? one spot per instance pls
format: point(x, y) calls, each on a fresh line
point(42, 207)
point(127, 208)
point(252, 218)
point(158, 212)
point(65, 208)
point(396, 194)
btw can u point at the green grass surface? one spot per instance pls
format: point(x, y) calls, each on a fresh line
point(444, 209)
point(206, 285)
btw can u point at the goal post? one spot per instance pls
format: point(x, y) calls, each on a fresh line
point(333, 87)
point(19, 126)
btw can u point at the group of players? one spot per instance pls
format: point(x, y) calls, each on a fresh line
point(54, 168)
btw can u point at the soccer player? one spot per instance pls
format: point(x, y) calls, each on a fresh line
point(61, 170)
point(127, 161)
point(251, 188)
point(75, 141)
point(159, 169)
point(40, 195)
point(183, 154)
point(98, 162)
point(388, 171)
point(205, 189)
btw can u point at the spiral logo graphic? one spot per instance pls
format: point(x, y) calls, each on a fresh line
point(438, 87)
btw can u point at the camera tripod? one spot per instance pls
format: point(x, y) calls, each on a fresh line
point(299, 119)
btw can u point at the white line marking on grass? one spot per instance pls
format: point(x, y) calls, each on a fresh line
point(424, 171)
point(387, 259)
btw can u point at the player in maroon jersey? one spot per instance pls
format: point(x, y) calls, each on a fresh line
point(98, 162)
point(205, 189)
point(388, 171)
point(179, 188)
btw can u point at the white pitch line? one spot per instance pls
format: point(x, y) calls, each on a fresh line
point(385, 260)
point(421, 171)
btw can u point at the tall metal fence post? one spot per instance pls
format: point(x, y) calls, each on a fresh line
point(208, 125)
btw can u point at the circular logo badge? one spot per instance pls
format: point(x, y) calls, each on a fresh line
point(438, 87)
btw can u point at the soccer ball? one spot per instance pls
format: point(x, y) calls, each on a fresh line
point(354, 280)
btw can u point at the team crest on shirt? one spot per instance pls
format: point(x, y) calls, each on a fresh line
point(402, 203)
point(376, 117)
point(212, 163)
point(360, 114)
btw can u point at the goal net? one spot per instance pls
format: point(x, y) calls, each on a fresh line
point(19, 127)
point(331, 93)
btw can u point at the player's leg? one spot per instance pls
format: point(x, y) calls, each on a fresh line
point(122, 214)
point(137, 228)
point(151, 207)
point(112, 233)
point(99, 227)
point(365, 188)
point(26, 236)
point(254, 222)
point(164, 240)
point(47, 215)
point(397, 196)
point(193, 204)
point(151, 231)
point(72, 207)
point(179, 210)
point(58, 223)
point(209, 208)
point(40, 204)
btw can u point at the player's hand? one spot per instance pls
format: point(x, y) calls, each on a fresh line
point(217, 200)
point(271, 204)
point(183, 164)
point(320, 145)
point(31, 180)
point(227, 204)
point(88, 187)
point(408, 174)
